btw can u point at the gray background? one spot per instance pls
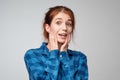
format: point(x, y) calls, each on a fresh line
point(97, 34)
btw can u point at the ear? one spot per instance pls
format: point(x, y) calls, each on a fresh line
point(47, 28)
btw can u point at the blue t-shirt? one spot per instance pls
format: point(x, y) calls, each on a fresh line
point(43, 64)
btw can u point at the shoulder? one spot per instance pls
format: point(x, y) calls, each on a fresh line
point(79, 57)
point(77, 53)
point(30, 53)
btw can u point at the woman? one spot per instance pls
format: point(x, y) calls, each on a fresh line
point(53, 60)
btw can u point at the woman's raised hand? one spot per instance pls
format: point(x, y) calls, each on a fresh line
point(64, 47)
point(53, 40)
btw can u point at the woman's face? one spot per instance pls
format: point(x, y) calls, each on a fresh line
point(61, 27)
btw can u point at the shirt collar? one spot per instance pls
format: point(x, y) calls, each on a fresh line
point(45, 50)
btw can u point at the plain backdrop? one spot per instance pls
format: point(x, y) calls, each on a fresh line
point(97, 35)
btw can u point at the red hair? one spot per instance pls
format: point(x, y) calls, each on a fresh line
point(52, 12)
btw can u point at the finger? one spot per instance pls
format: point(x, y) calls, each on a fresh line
point(55, 36)
point(66, 41)
point(53, 40)
point(69, 38)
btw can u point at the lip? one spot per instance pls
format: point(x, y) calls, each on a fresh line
point(63, 35)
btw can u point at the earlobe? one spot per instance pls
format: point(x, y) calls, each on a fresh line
point(47, 28)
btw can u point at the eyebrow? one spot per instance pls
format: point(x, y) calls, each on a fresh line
point(61, 19)
point(69, 20)
point(58, 19)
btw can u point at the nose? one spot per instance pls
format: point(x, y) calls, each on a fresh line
point(64, 27)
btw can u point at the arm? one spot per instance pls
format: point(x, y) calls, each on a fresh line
point(66, 64)
point(53, 64)
point(74, 68)
point(39, 70)
point(82, 72)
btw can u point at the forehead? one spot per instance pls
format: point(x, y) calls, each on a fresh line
point(62, 15)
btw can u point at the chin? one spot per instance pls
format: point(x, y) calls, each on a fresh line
point(61, 41)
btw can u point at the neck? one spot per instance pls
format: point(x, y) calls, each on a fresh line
point(49, 45)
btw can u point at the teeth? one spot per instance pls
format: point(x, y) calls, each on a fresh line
point(63, 34)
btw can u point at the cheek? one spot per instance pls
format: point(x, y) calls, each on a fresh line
point(54, 28)
point(70, 30)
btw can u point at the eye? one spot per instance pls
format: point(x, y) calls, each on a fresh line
point(69, 24)
point(59, 22)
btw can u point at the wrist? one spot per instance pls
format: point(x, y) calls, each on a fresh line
point(54, 53)
point(62, 50)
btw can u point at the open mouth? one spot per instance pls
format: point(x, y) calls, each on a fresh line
point(63, 35)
